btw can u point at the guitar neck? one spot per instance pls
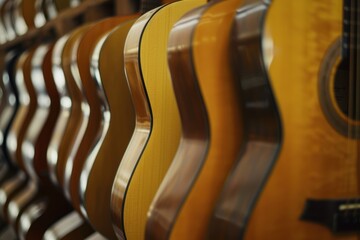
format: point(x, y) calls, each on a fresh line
point(350, 25)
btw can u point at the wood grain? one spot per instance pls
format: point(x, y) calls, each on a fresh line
point(314, 161)
point(220, 93)
point(148, 38)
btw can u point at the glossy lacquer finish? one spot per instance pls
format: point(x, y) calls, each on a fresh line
point(17, 129)
point(108, 71)
point(261, 125)
point(53, 151)
point(92, 108)
point(26, 110)
point(146, 39)
point(41, 127)
point(195, 131)
point(33, 153)
point(314, 161)
point(61, 157)
point(207, 163)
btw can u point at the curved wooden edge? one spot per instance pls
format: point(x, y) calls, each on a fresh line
point(106, 64)
point(53, 150)
point(263, 129)
point(195, 130)
point(142, 127)
point(93, 109)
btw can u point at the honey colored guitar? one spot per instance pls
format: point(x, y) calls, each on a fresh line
point(92, 111)
point(306, 69)
point(185, 201)
point(158, 121)
point(119, 125)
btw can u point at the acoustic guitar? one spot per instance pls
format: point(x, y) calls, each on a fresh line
point(37, 136)
point(119, 126)
point(66, 130)
point(307, 180)
point(92, 111)
point(158, 124)
point(14, 140)
point(50, 205)
point(185, 201)
point(11, 178)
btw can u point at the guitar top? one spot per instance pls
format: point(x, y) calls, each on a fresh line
point(314, 163)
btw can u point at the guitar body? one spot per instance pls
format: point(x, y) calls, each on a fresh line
point(26, 109)
point(14, 140)
point(223, 137)
point(76, 123)
point(53, 152)
point(93, 111)
point(158, 121)
point(50, 204)
point(315, 166)
point(120, 126)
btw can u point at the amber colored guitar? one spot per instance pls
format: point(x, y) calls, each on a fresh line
point(158, 124)
point(187, 196)
point(50, 205)
point(119, 123)
point(311, 79)
point(92, 111)
point(24, 114)
point(66, 131)
point(35, 143)
point(70, 119)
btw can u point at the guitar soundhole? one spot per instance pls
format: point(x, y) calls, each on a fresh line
point(341, 88)
point(345, 99)
point(337, 102)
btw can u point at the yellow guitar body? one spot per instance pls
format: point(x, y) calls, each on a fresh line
point(151, 47)
point(315, 160)
point(106, 64)
point(221, 96)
